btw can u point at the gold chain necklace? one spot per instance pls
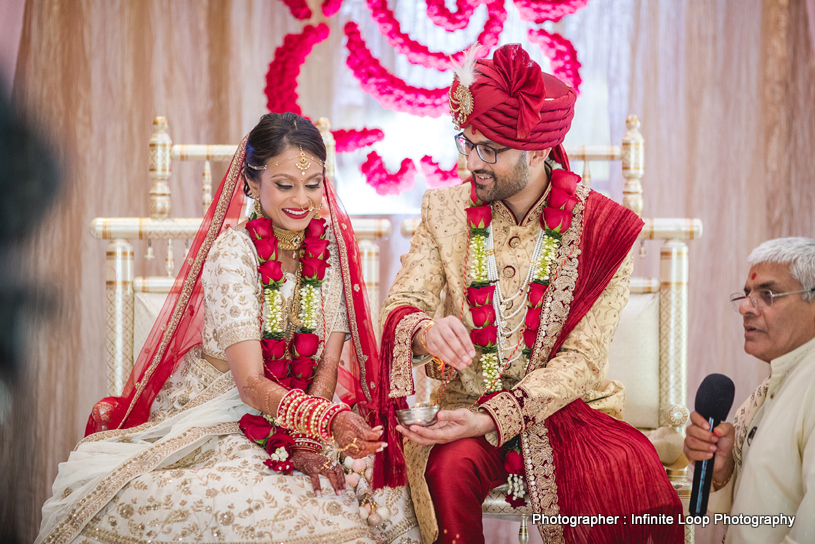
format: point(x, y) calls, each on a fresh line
point(288, 239)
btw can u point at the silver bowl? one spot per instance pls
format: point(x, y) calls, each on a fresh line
point(423, 416)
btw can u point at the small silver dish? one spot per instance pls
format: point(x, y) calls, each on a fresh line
point(423, 416)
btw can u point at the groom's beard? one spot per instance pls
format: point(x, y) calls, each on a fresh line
point(503, 187)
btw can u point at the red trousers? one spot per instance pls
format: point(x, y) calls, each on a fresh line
point(460, 475)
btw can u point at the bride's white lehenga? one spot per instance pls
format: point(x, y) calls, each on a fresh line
point(189, 474)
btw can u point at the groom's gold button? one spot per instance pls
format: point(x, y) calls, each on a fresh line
point(514, 242)
point(509, 272)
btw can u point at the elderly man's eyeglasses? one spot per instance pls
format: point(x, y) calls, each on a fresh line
point(762, 298)
point(486, 153)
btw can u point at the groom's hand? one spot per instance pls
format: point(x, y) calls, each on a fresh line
point(452, 425)
point(447, 339)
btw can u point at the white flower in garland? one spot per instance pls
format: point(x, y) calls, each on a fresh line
point(551, 245)
point(280, 454)
point(478, 256)
point(517, 486)
point(491, 370)
point(272, 312)
point(309, 295)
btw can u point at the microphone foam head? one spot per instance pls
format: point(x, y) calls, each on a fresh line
point(715, 397)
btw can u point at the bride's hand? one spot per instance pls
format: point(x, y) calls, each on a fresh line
point(313, 464)
point(355, 437)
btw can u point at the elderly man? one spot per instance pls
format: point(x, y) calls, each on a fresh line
point(535, 272)
point(765, 462)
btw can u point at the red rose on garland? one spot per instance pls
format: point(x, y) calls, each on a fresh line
point(479, 217)
point(514, 463)
point(533, 318)
point(305, 345)
point(276, 369)
point(279, 439)
point(479, 296)
point(303, 367)
point(272, 348)
point(536, 292)
point(529, 337)
point(313, 268)
point(256, 428)
point(483, 315)
point(270, 272)
point(565, 181)
point(316, 228)
point(260, 228)
point(486, 337)
point(317, 248)
point(556, 220)
point(293, 382)
point(559, 198)
point(266, 248)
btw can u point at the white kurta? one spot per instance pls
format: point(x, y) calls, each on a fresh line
point(777, 475)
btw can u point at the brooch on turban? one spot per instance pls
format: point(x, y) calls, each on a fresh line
point(461, 103)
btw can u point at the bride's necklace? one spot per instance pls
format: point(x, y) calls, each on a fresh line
point(289, 240)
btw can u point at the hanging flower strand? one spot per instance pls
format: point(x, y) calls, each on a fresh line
point(281, 78)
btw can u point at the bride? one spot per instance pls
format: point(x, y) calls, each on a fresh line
point(226, 430)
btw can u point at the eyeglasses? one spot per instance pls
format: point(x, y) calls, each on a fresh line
point(485, 153)
point(762, 298)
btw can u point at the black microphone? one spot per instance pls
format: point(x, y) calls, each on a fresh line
point(713, 401)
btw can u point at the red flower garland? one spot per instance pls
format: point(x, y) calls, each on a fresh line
point(441, 16)
point(435, 177)
point(383, 181)
point(539, 11)
point(353, 139)
point(417, 53)
point(281, 79)
point(297, 372)
point(270, 438)
point(561, 53)
point(390, 91)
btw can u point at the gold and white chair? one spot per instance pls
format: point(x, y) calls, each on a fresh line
point(649, 351)
point(133, 302)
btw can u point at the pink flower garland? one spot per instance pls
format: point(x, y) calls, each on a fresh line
point(383, 181)
point(538, 11)
point(330, 7)
point(281, 79)
point(417, 53)
point(390, 91)
point(353, 139)
point(562, 55)
point(449, 21)
point(435, 177)
point(299, 9)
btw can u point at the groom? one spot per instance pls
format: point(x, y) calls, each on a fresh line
point(535, 271)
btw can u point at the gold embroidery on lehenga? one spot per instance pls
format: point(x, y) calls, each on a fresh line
point(93, 500)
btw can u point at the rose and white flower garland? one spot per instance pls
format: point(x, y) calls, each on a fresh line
point(288, 363)
point(485, 305)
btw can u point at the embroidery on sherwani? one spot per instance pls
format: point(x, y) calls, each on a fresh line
point(539, 465)
point(93, 501)
point(192, 277)
point(402, 366)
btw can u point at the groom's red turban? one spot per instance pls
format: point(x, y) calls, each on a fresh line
point(512, 102)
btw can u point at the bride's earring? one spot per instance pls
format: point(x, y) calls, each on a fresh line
point(258, 207)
